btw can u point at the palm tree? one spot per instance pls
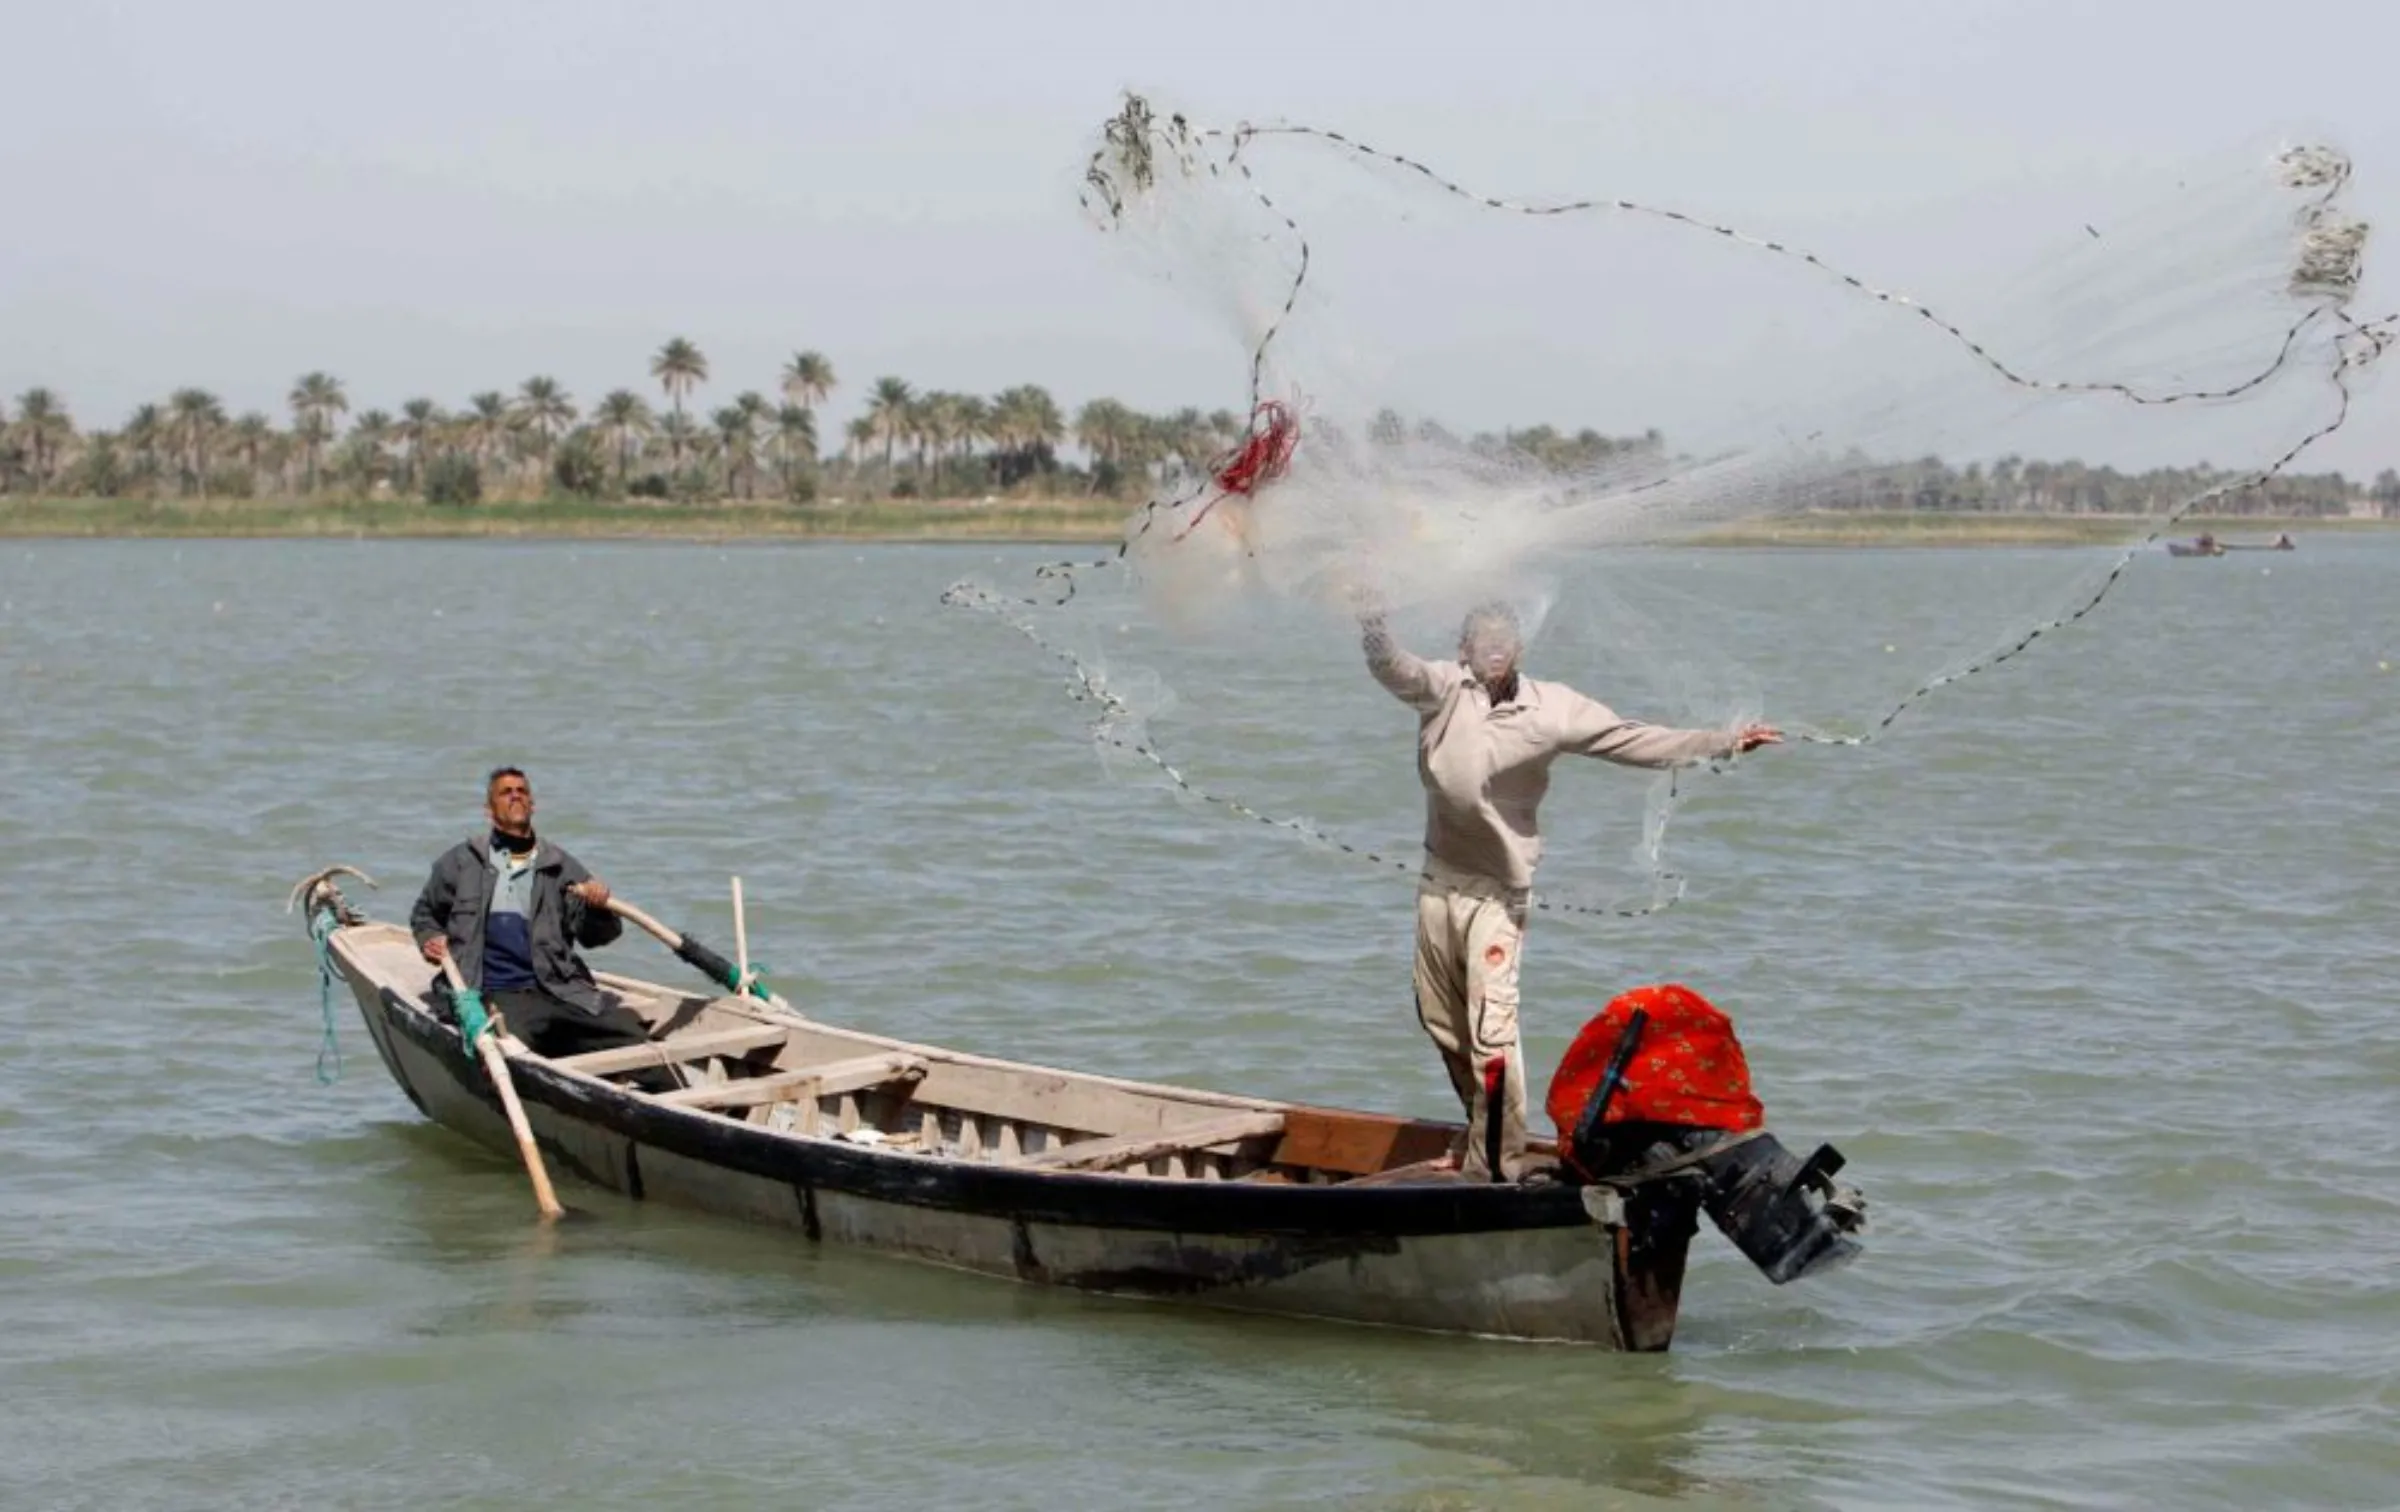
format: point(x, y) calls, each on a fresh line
point(944, 421)
point(677, 427)
point(194, 415)
point(625, 417)
point(739, 442)
point(1185, 435)
point(1025, 425)
point(970, 425)
point(312, 430)
point(2384, 493)
point(857, 436)
point(920, 423)
point(1146, 445)
point(808, 379)
point(761, 416)
point(545, 409)
point(678, 366)
point(368, 437)
point(315, 399)
point(42, 421)
point(918, 430)
point(795, 439)
point(888, 410)
point(421, 422)
point(253, 437)
point(1105, 428)
point(146, 432)
point(99, 467)
point(486, 425)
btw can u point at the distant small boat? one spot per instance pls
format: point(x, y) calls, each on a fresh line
point(2210, 546)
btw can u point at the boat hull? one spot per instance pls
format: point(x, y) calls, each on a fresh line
point(1584, 1264)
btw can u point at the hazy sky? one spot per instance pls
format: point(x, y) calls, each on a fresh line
point(445, 197)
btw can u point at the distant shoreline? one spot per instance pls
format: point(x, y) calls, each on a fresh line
point(1834, 528)
point(1027, 522)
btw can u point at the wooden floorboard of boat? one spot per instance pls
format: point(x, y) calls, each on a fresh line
point(682, 1047)
point(802, 1082)
point(1101, 1154)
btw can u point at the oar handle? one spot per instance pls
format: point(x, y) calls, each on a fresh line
point(633, 915)
point(495, 1064)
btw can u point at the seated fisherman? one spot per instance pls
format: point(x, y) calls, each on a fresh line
point(511, 909)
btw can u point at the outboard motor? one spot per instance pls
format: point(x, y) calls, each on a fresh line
point(1657, 1089)
point(1788, 1215)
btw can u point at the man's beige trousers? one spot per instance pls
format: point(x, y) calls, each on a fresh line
point(1470, 930)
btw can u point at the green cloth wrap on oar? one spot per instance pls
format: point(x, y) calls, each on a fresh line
point(472, 1021)
point(719, 970)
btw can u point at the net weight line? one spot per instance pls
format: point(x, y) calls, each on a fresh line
point(2326, 266)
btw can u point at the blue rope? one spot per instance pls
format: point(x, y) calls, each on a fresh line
point(329, 1051)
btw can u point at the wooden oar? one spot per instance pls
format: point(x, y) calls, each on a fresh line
point(702, 959)
point(495, 1061)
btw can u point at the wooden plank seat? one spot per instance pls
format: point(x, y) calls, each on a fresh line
point(1106, 1154)
point(805, 1083)
point(685, 1047)
point(1358, 1144)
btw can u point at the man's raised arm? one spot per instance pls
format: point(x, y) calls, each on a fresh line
point(1407, 676)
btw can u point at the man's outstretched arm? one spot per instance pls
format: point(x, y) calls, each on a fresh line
point(1588, 727)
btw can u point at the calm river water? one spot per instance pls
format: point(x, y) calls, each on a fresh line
point(2089, 968)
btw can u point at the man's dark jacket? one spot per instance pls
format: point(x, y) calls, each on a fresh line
point(458, 895)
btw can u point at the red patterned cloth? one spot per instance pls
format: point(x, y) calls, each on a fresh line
point(1687, 1068)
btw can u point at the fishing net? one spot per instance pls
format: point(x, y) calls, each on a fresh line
point(1455, 395)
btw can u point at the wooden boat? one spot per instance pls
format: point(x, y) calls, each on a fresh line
point(1051, 1176)
point(2209, 546)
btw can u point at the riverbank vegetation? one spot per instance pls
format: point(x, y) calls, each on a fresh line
point(540, 460)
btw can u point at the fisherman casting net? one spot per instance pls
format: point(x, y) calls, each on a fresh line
point(1446, 395)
